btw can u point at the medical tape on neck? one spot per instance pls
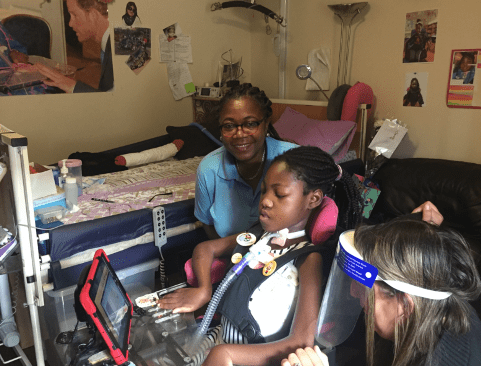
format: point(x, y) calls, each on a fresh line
point(296, 234)
point(415, 290)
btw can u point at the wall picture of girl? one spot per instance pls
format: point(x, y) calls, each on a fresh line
point(415, 87)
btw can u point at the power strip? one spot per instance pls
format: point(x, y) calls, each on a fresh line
point(160, 227)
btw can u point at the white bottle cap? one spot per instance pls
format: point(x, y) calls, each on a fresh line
point(71, 180)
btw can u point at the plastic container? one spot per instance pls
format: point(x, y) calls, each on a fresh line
point(71, 192)
point(51, 214)
point(74, 167)
point(58, 314)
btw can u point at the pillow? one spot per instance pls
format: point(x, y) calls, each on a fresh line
point(333, 137)
point(151, 155)
point(336, 100)
point(97, 163)
point(324, 221)
point(359, 93)
point(196, 143)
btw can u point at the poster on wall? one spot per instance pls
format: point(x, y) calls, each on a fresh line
point(174, 45)
point(416, 89)
point(463, 79)
point(420, 36)
point(68, 53)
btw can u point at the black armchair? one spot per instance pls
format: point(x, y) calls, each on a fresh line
point(32, 32)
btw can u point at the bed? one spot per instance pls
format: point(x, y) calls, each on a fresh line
point(125, 229)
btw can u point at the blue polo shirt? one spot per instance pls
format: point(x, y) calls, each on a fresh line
point(222, 197)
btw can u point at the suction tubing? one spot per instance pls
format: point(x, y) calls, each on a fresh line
point(233, 273)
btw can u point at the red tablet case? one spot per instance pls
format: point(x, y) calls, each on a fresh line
point(92, 311)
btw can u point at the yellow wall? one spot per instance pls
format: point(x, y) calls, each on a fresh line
point(142, 106)
point(435, 131)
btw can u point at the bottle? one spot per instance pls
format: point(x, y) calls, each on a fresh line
point(71, 193)
point(63, 174)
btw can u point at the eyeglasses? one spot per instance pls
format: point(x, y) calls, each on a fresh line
point(249, 128)
point(131, 8)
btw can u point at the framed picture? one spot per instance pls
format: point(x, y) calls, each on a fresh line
point(463, 79)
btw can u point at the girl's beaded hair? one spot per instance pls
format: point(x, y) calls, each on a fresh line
point(317, 170)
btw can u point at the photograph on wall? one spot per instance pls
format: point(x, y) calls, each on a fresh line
point(463, 77)
point(135, 42)
point(415, 89)
point(131, 18)
point(129, 40)
point(172, 32)
point(420, 36)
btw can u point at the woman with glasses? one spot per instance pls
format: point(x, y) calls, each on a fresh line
point(130, 18)
point(228, 179)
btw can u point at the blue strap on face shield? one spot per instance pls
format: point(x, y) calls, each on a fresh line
point(356, 268)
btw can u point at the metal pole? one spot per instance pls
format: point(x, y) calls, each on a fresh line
point(27, 238)
point(283, 52)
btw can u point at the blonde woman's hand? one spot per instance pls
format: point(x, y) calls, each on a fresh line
point(306, 357)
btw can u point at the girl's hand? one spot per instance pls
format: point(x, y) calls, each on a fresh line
point(218, 356)
point(306, 357)
point(57, 79)
point(185, 300)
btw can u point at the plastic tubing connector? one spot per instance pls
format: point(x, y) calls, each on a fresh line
point(255, 251)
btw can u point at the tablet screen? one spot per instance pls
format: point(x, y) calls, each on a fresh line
point(106, 301)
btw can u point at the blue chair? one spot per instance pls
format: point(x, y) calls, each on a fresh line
point(32, 32)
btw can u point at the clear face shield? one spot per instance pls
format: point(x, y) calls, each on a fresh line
point(347, 289)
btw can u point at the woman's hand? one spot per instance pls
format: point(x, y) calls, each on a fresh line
point(306, 357)
point(57, 79)
point(185, 300)
point(430, 212)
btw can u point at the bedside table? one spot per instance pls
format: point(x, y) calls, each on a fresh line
point(203, 108)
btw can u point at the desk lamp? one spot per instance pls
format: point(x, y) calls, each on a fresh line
point(304, 72)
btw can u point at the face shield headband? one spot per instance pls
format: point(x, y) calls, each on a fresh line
point(347, 289)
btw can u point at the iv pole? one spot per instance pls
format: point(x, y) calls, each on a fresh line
point(280, 19)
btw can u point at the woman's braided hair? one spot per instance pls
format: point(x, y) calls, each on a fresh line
point(317, 170)
point(253, 92)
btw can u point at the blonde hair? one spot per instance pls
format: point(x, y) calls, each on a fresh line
point(426, 256)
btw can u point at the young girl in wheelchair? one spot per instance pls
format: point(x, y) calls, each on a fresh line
point(271, 309)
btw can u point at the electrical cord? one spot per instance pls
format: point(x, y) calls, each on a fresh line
point(83, 348)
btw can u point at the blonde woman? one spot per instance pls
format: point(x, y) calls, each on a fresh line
point(427, 316)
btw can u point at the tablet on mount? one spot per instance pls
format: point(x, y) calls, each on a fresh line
point(104, 299)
